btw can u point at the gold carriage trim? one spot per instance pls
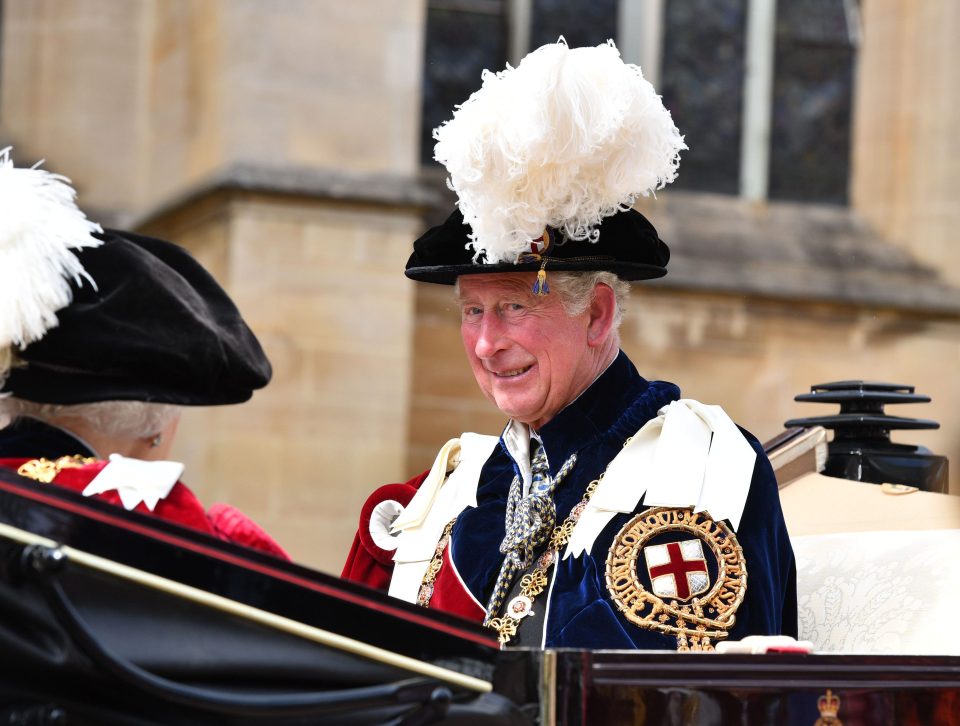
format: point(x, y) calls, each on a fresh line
point(701, 619)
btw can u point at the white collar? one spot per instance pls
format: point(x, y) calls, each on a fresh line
point(516, 437)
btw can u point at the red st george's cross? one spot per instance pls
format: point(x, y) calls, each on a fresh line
point(678, 567)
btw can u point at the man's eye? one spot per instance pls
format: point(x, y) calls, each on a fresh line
point(472, 311)
point(513, 307)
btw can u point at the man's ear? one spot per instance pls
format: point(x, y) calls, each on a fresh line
point(603, 313)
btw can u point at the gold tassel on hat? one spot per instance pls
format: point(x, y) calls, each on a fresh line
point(538, 253)
point(540, 287)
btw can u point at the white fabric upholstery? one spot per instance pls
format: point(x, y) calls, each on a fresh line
point(880, 592)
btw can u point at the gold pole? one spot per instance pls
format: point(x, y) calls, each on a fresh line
point(548, 688)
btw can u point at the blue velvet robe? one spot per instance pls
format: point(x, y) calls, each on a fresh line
point(581, 613)
point(31, 438)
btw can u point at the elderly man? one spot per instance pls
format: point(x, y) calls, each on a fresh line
point(609, 513)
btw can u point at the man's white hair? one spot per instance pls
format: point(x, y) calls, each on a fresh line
point(121, 419)
point(576, 290)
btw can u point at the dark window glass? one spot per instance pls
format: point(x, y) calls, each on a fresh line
point(812, 92)
point(580, 23)
point(702, 85)
point(463, 38)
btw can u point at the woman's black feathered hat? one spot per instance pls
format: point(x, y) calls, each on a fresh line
point(157, 328)
point(89, 315)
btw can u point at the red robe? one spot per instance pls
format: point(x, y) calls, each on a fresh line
point(180, 506)
point(372, 565)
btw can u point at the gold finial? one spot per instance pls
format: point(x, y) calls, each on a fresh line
point(828, 705)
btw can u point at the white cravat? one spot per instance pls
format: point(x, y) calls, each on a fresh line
point(136, 480)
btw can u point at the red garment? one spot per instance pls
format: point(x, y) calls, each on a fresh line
point(371, 565)
point(180, 506)
point(367, 563)
point(231, 524)
point(451, 595)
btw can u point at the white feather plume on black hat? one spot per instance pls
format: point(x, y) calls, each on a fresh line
point(568, 137)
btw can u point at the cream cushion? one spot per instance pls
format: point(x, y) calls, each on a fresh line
point(877, 571)
point(880, 592)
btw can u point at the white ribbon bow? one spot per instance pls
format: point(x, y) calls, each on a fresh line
point(690, 455)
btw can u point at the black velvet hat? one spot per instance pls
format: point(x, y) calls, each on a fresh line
point(627, 245)
point(157, 327)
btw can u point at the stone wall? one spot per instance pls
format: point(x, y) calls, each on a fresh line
point(71, 92)
point(318, 284)
point(906, 169)
point(138, 99)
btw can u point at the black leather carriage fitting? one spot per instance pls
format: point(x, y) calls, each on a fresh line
point(861, 448)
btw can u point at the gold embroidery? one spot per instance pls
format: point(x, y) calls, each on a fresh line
point(699, 621)
point(426, 586)
point(45, 471)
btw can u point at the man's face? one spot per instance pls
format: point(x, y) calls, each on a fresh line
point(529, 357)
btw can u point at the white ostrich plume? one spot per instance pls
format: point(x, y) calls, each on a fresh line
point(39, 226)
point(568, 137)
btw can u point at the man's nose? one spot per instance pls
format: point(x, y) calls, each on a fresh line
point(490, 336)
